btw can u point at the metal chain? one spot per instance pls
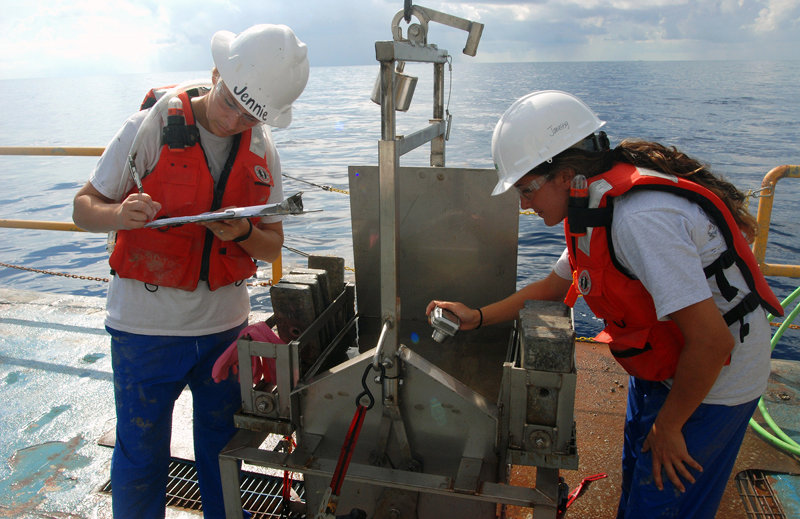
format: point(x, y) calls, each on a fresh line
point(39, 271)
point(754, 193)
point(93, 278)
point(268, 283)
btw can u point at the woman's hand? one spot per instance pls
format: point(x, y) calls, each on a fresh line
point(670, 453)
point(470, 319)
point(136, 210)
point(227, 230)
point(708, 344)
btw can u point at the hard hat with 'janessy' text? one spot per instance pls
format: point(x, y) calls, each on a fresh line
point(536, 128)
point(266, 69)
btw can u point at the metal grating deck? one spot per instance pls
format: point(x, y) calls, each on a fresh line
point(759, 498)
point(261, 493)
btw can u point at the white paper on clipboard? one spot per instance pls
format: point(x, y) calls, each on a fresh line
point(291, 206)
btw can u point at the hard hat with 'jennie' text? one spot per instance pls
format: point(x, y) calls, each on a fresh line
point(266, 69)
point(536, 128)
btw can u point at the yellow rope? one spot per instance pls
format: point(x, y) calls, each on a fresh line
point(336, 190)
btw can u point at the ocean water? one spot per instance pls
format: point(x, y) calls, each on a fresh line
point(742, 118)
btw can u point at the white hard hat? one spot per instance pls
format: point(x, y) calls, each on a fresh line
point(265, 67)
point(536, 128)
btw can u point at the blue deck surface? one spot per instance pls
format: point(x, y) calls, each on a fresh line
point(58, 401)
point(56, 388)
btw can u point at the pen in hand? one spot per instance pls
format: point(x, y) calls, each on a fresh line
point(135, 174)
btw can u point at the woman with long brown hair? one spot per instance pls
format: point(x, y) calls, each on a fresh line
point(657, 247)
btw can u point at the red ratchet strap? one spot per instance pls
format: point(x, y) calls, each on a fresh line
point(347, 449)
point(581, 488)
point(286, 491)
point(350, 441)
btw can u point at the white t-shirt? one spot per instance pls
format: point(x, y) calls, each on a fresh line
point(130, 306)
point(665, 241)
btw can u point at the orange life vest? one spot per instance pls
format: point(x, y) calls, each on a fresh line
point(180, 257)
point(646, 347)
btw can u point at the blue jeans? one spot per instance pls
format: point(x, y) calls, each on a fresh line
point(713, 435)
point(150, 372)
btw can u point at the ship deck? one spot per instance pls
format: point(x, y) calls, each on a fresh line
point(58, 420)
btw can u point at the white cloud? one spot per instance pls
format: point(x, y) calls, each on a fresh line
point(60, 37)
point(778, 13)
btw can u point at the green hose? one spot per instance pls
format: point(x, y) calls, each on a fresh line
point(782, 441)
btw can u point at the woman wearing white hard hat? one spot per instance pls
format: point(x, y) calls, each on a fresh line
point(178, 297)
point(658, 247)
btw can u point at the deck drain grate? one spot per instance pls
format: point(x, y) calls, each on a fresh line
point(759, 499)
point(261, 493)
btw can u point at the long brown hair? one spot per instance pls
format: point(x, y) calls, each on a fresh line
point(666, 159)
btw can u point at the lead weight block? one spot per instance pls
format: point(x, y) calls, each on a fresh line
point(334, 266)
point(293, 305)
point(547, 337)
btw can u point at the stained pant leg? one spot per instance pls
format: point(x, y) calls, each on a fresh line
point(147, 381)
point(214, 406)
point(713, 435)
point(636, 428)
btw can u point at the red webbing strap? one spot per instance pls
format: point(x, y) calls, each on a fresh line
point(286, 491)
point(347, 449)
point(581, 488)
point(350, 442)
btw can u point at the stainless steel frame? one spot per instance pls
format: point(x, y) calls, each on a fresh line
point(448, 418)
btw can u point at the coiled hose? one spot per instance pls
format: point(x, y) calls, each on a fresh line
point(780, 439)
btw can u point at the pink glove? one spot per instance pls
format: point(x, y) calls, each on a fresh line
point(263, 368)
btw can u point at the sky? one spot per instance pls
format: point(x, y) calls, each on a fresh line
point(55, 38)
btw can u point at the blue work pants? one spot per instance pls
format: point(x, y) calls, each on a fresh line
point(150, 372)
point(713, 435)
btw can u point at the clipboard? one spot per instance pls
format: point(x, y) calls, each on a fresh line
point(290, 206)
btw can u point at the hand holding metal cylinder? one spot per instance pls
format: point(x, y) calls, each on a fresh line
point(445, 323)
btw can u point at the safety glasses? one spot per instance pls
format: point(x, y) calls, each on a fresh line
point(233, 106)
point(531, 187)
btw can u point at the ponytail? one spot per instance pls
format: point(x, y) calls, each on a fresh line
point(654, 156)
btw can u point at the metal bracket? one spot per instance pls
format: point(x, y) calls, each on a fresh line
point(417, 34)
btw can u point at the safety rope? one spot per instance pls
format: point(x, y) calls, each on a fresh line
point(345, 192)
point(48, 272)
point(306, 255)
point(750, 193)
point(269, 283)
point(104, 280)
point(323, 187)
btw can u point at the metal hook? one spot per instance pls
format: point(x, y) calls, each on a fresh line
point(765, 191)
point(367, 393)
